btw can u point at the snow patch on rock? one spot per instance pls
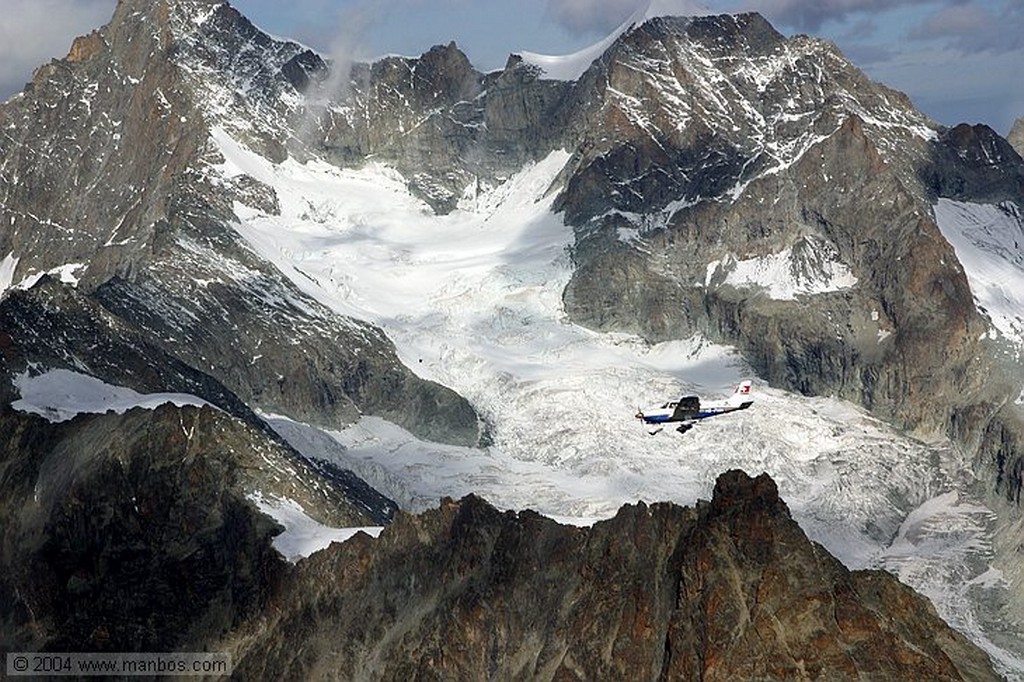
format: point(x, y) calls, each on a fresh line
point(987, 239)
point(61, 394)
point(809, 267)
point(302, 535)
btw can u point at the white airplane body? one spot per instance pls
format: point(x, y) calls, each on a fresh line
point(689, 410)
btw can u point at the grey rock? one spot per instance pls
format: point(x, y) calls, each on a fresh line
point(1016, 136)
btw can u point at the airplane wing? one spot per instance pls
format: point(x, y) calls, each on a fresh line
point(687, 408)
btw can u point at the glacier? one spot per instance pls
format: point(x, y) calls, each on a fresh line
point(472, 300)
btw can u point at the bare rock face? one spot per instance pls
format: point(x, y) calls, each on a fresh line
point(731, 589)
point(973, 163)
point(1016, 136)
point(447, 127)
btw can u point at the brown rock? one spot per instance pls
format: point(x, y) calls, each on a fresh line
point(728, 590)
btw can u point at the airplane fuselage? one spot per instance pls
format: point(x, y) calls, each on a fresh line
point(689, 410)
point(664, 416)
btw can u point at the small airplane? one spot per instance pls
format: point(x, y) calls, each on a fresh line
point(688, 410)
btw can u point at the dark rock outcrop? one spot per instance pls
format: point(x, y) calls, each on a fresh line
point(136, 532)
point(150, 542)
point(731, 589)
point(973, 163)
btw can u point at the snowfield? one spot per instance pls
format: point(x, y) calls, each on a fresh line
point(60, 394)
point(813, 268)
point(473, 301)
point(987, 239)
point(570, 67)
point(65, 273)
point(302, 535)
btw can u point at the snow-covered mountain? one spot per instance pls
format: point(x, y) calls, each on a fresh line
point(437, 282)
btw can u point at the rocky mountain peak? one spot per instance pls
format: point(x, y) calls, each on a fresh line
point(1016, 136)
point(681, 111)
point(726, 590)
point(448, 68)
point(744, 34)
point(977, 164)
point(164, 15)
point(97, 140)
point(978, 144)
point(687, 136)
point(140, 33)
point(735, 491)
point(107, 182)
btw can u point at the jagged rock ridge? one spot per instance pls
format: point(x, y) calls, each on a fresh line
point(731, 589)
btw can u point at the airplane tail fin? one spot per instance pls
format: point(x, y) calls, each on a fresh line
point(742, 394)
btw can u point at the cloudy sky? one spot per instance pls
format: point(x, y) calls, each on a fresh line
point(959, 60)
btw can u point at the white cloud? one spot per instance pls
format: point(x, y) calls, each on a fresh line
point(592, 16)
point(600, 17)
point(34, 31)
point(810, 16)
point(976, 27)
